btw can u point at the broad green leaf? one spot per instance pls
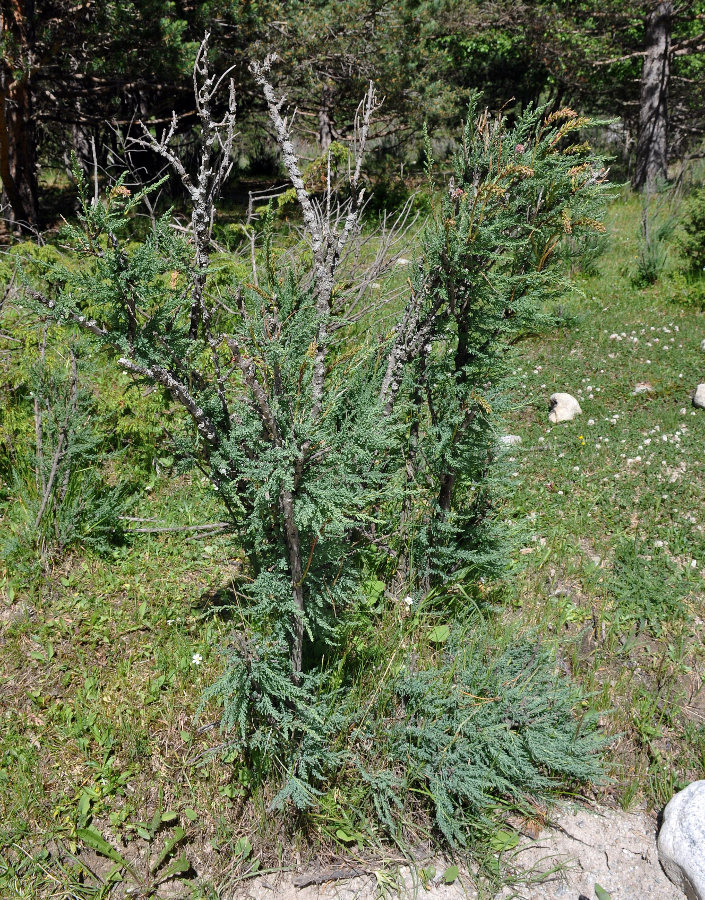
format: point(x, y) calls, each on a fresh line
point(450, 874)
point(504, 840)
point(169, 817)
point(178, 835)
point(155, 823)
point(176, 867)
point(242, 848)
point(345, 836)
point(93, 839)
point(601, 893)
point(439, 634)
point(84, 804)
point(190, 814)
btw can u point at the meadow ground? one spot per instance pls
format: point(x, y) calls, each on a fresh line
point(102, 664)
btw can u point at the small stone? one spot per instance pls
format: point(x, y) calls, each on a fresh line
point(699, 397)
point(702, 346)
point(643, 387)
point(563, 408)
point(512, 440)
point(681, 841)
point(403, 262)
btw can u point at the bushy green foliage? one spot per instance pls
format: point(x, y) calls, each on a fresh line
point(691, 242)
point(522, 200)
point(690, 283)
point(653, 255)
point(323, 440)
point(55, 495)
point(455, 730)
point(479, 725)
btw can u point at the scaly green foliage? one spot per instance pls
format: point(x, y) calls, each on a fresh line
point(322, 442)
point(481, 725)
point(493, 255)
point(691, 242)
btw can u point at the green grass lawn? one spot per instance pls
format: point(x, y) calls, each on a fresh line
point(613, 565)
point(102, 663)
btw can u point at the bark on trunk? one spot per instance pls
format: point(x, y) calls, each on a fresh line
point(326, 128)
point(17, 151)
point(18, 169)
point(652, 143)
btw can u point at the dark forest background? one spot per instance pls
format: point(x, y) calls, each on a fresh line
point(77, 77)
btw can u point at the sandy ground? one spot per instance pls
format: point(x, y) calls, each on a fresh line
point(581, 849)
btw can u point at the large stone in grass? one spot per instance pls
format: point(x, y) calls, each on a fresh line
point(699, 396)
point(563, 408)
point(681, 841)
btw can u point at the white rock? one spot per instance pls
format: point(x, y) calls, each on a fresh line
point(699, 396)
point(403, 262)
point(681, 841)
point(564, 408)
point(702, 346)
point(513, 440)
point(642, 387)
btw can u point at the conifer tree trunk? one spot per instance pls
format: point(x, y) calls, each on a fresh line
point(326, 128)
point(652, 142)
point(17, 138)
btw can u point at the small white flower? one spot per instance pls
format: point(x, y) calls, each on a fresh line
point(591, 421)
point(409, 601)
point(196, 659)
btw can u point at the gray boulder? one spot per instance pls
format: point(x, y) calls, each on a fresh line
point(563, 408)
point(681, 841)
point(699, 396)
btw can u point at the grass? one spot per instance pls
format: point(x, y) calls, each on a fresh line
point(615, 552)
point(104, 660)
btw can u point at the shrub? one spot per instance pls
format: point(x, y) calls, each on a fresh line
point(326, 434)
point(482, 724)
point(691, 240)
